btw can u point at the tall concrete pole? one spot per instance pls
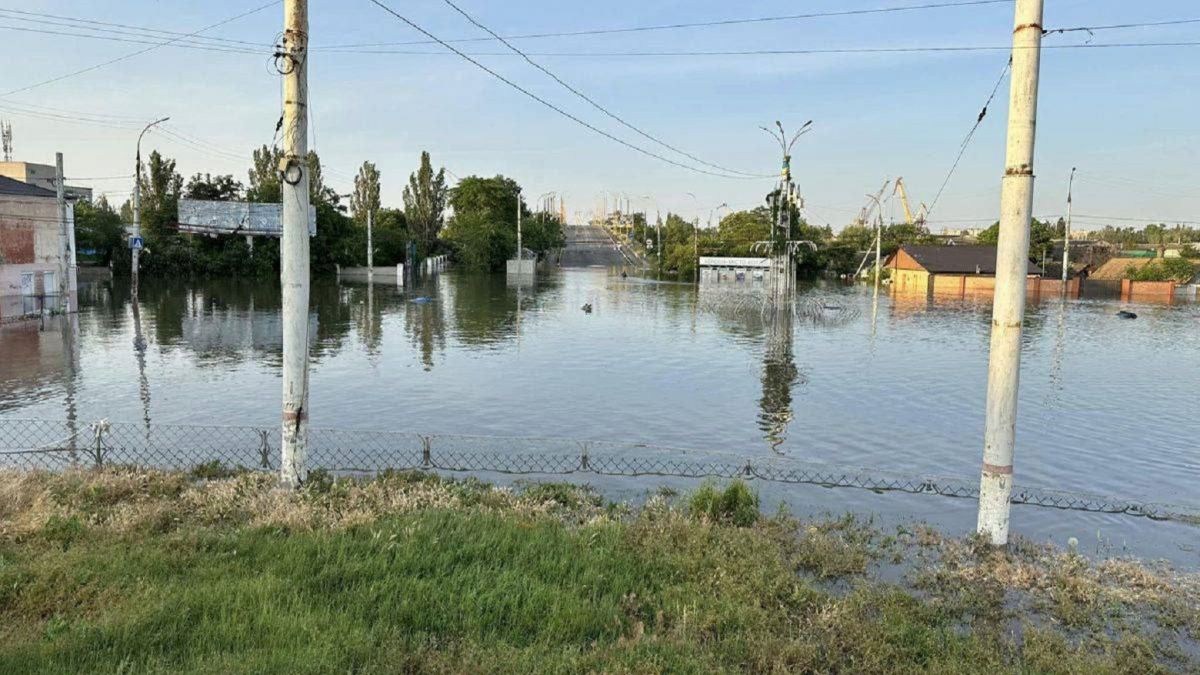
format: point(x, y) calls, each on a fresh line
point(137, 204)
point(64, 247)
point(294, 267)
point(520, 253)
point(1067, 232)
point(1008, 306)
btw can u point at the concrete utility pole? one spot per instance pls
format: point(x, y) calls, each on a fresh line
point(293, 251)
point(64, 246)
point(1067, 232)
point(1012, 259)
point(137, 204)
point(520, 270)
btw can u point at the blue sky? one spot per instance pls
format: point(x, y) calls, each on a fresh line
point(1126, 117)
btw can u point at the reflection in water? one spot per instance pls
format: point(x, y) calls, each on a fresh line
point(779, 375)
point(425, 324)
point(1054, 392)
point(653, 363)
point(70, 338)
point(746, 316)
point(139, 348)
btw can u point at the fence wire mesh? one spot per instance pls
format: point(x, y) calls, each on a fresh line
point(56, 445)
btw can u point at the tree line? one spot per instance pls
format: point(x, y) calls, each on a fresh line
point(473, 221)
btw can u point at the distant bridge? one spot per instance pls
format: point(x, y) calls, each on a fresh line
point(592, 246)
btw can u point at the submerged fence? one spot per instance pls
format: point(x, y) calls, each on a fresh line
point(56, 445)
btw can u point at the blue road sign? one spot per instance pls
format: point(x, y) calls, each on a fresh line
point(136, 243)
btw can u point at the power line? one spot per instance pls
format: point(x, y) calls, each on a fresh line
point(98, 177)
point(87, 23)
point(1121, 26)
point(1176, 221)
point(962, 149)
point(80, 119)
point(149, 41)
point(541, 100)
point(596, 105)
point(795, 52)
point(261, 50)
point(139, 52)
point(677, 26)
point(64, 111)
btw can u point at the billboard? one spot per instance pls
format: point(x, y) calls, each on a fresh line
point(240, 218)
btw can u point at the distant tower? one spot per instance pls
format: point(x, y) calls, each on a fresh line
point(6, 137)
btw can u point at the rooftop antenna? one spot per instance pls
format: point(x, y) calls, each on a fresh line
point(6, 137)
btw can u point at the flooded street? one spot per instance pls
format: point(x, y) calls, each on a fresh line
point(1107, 405)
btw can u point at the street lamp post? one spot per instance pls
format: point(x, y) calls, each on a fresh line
point(696, 238)
point(1067, 232)
point(137, 205)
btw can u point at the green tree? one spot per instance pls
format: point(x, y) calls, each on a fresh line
point(1158, 236)
point(483, 229)
point(424, 203)
point(365, 198)
point(1179, 270)
point(264, 176)
point(1041, 238)
point(161, 186)
point(99, 228)
point(543, 232)
point(391, 237)
point(219, 189)
point(680, 242)
point(857, 237)
point(739, 231)
point(265, 180)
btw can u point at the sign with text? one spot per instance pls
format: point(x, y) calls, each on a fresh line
point(241, 218)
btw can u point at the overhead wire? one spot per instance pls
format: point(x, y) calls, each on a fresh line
point(541, 100)
point(43, 18)
point(139, 52)
point(150, 41)
point(962, 149)
point(796, 52)
point(97, 178)
point(678, 26)
point(596, 105)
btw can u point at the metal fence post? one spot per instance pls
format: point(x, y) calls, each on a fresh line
point(584, 464)
point(426, 452)
point(99, 428)
point(264, 448)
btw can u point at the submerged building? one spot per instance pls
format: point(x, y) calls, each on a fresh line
point(33, 251)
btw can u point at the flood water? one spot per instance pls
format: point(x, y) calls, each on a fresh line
point(1107, 405)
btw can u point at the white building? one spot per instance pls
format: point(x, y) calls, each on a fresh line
point(716, 270)
point(32, 261)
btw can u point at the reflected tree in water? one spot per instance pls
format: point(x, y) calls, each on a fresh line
point(425, 324)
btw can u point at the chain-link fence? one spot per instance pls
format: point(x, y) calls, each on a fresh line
point(59, 444)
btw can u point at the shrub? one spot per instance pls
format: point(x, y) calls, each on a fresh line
point(1178, 270)
point(737, 504)
point(213, 470)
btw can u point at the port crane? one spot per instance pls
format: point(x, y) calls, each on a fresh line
point(908, 214)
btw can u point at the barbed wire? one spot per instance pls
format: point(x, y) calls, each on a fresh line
point(58, 444)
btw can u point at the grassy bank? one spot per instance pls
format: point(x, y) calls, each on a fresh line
point(132, 571)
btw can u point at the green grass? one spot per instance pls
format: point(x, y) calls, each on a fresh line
point(459, 577)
